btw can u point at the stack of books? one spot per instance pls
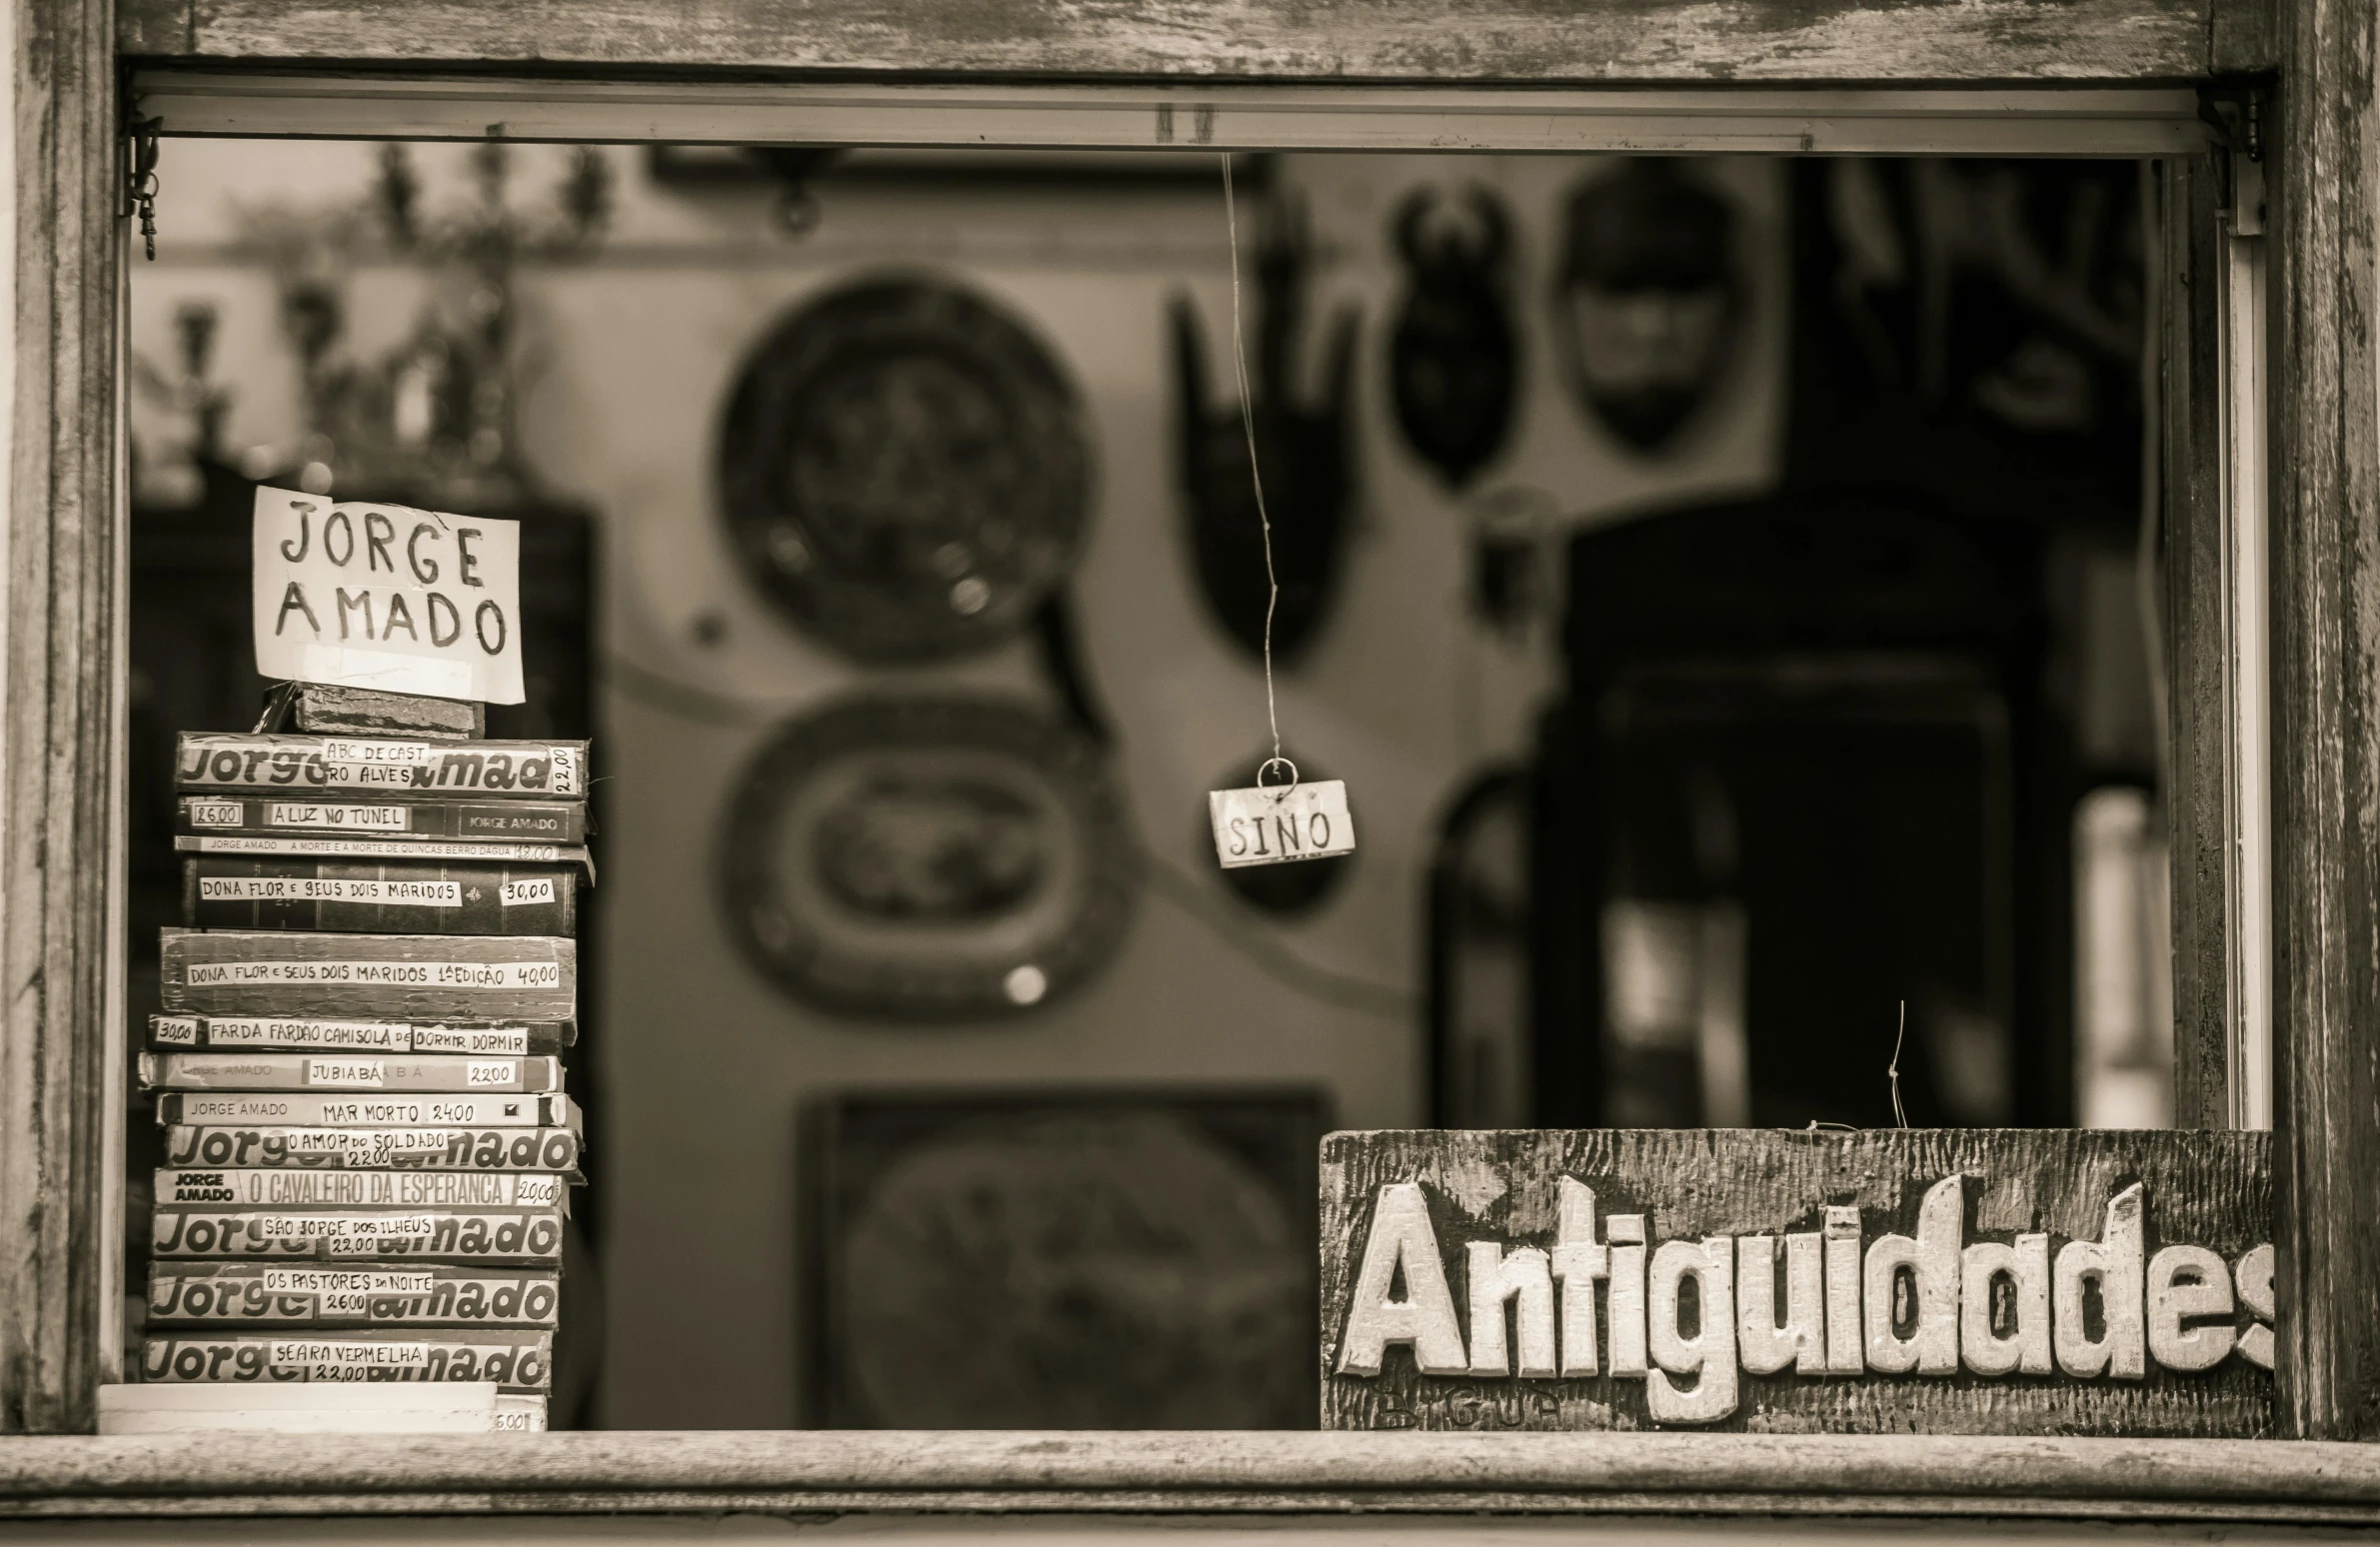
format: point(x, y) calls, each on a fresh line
point(368, 1150)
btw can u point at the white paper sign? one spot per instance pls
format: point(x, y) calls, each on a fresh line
point(388, 598)
point(1269, 826)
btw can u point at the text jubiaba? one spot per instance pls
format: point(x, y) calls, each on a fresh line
point(1685, 1316)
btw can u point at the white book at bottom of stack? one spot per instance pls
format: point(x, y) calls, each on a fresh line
point(438, 1407)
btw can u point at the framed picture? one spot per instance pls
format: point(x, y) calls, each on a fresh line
point(1063, 1259)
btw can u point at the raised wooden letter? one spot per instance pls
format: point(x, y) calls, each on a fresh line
point(1579, 1262)
point(2026, 1268)
point(2253, 1275)
point(2187, 1281)
point(1800, 1340)
point(1520, 1276)
point(2114, 1263)
point(1931, 1348)
point(1709, 1355)
point(1626, 1233)
point(1846, 1352)
point(1402, 1238)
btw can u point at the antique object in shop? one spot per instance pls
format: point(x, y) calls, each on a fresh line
point(174, 463)
point(434, 421)
point(1301, 446)
point(1647, 297)
point(905, 470)
point(791, 169)
point(450, 393)
point(1512, 588)
point(1064, 1259)
point(1897, 1281)
point(1802, 774)
point(1971, 330)
point(1479, 999)
point(1453, 363)
point(928, 858)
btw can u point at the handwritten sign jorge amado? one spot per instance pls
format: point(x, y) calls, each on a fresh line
point(1980, 1281)
point(388, 598)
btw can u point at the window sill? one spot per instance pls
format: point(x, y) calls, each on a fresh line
point(1212, 1473)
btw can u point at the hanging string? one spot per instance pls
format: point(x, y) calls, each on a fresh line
point(1893, 1070)
point(1248, 423)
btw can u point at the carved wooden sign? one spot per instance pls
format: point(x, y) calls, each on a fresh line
point(1978, 1281)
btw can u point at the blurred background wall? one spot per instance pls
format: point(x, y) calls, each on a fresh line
point(626, 357)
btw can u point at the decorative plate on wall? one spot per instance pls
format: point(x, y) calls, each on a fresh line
point(905, 470)
point(928, 858)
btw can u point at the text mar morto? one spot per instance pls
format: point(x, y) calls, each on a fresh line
point(1685, 1316)
point(387, 597)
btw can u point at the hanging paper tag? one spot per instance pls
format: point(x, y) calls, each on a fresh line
point(1270, 827)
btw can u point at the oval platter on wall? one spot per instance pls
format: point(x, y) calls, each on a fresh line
point(905, 470)
point(928, 858)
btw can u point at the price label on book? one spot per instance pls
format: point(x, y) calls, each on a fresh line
point(388, 598)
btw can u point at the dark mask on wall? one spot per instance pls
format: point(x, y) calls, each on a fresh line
point(1452, 360)
point(1646, 297)
point(1302, 449)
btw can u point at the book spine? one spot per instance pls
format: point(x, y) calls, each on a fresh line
point(274, 1033)
point(514, 1360)
point(327, 709)
point(517, 1414)
point(506, 821)
point(429, 1236)
point(205, 1295)
point(346, 1072)
point(277, 1145)
point(324, 1109)
point(395, 850)
point(317, 1188)
point(369, 976)
point(349, 899)
point(232, 763)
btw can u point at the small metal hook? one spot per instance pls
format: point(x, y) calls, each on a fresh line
point(141, 178)
point(1283, 793)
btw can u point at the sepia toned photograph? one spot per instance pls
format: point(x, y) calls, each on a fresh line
point(799, 768)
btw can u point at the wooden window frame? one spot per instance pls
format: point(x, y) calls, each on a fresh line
point(2276, 770)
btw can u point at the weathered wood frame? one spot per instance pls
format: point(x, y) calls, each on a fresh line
point(2202, 1482)
point(61, 726)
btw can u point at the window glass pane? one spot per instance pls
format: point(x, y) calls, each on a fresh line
point(1717, 581)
